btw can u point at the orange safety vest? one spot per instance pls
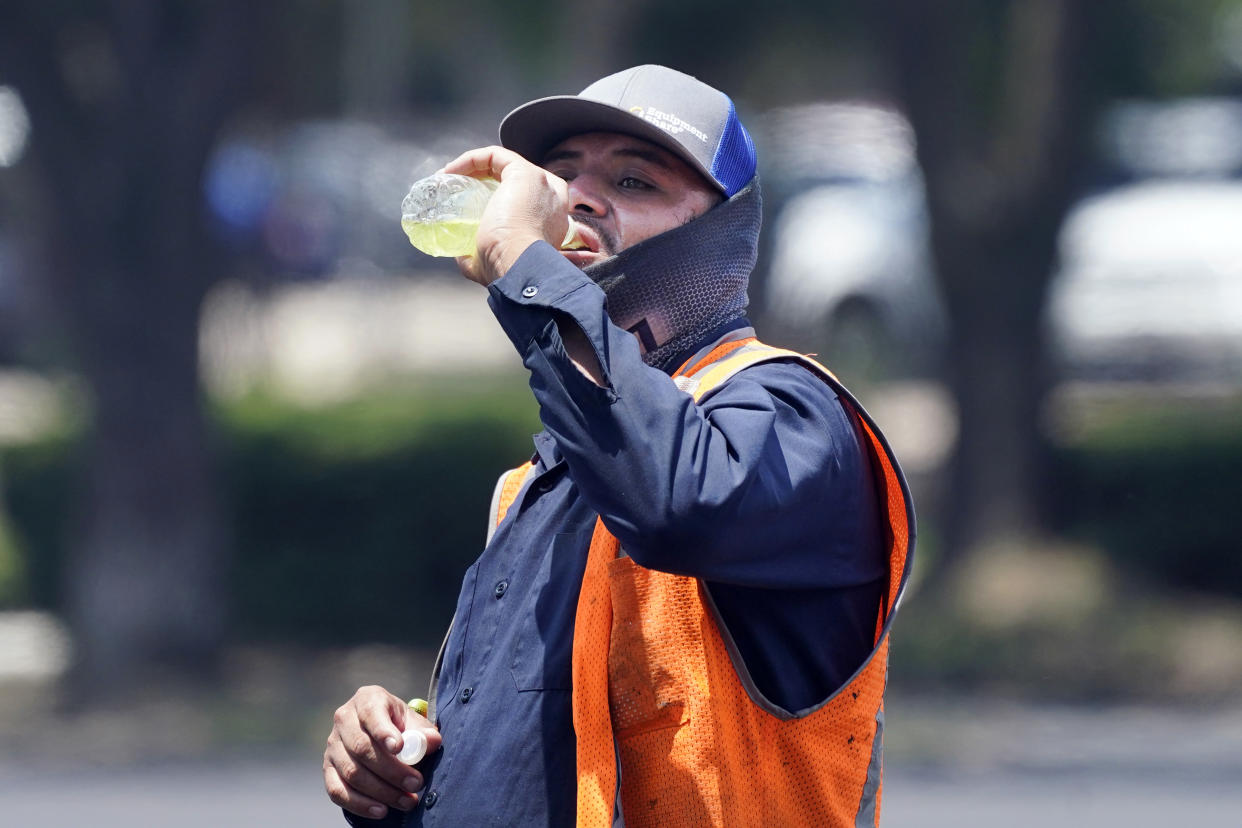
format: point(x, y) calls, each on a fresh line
point(661, 695)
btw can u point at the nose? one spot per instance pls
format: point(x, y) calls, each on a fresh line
point(586, 196)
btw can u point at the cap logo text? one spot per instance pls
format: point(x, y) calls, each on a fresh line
point(669, 123)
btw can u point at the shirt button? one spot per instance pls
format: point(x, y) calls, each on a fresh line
point(466, 693)
point(499, 591)
point(530, 291)
point(430, 799)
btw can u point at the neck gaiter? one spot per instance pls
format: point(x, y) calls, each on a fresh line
point(674, 288)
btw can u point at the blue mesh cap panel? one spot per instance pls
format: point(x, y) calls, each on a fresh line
point(734, 164)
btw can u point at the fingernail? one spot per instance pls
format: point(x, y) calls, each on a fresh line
point(412, 784)
point(391, 743)
point(377, 811)
point(407, 804)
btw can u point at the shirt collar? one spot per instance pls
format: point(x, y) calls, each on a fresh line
point(546, 450)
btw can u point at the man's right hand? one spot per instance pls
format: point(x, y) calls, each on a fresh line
point(361, 771)
point(531, 204)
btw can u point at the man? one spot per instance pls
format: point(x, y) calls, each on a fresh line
point(681, 613)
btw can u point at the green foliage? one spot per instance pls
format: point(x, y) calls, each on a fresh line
point(38, 487)
point(1155, 485)
point(12, 567)
point(353, 523)
point(1164, 48)
point(356, 524)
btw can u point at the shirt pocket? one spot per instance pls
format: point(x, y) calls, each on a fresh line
point(543, 644)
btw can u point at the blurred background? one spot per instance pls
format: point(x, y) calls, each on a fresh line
point(248, 434)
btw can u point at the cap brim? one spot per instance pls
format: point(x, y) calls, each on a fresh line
point(534, 128)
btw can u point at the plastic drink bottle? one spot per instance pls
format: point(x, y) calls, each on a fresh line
point(441, 214)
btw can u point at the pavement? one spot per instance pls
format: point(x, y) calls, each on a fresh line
point(974, 763)
point(248, 752)
point(287, 793)
point(979, 762)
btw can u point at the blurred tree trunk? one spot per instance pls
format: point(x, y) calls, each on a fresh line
point(125, 101)
point(376, 56)
point(999, 99)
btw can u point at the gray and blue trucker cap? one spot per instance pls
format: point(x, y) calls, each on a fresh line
point(682, 114)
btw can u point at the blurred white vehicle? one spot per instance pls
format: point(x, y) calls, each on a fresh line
point(1150, 285)
point(849, 275)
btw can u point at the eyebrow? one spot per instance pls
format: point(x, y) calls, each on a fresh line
point(651, 156)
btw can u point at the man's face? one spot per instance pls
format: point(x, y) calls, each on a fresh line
point(623, 190)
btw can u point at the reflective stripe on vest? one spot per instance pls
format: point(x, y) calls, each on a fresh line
point(659, 690)
point(506, 491)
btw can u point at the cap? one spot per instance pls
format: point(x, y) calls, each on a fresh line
point(669, 108)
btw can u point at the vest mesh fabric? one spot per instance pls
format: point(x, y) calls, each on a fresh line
point(597, 762)
point(694, 747)
point(510, 485)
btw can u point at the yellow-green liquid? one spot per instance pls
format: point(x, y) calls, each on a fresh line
point(445, 238)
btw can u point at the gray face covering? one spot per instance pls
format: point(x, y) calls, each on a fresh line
point(673, 289)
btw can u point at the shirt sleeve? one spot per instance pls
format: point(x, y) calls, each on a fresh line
point(762, 484)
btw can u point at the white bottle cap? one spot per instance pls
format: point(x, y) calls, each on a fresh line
point(415, 747)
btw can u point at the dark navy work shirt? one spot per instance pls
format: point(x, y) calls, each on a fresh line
point(762, 491)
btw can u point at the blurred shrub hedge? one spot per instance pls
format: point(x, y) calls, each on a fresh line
point(1155, 483)
point(355, 523)
point(351, 523)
